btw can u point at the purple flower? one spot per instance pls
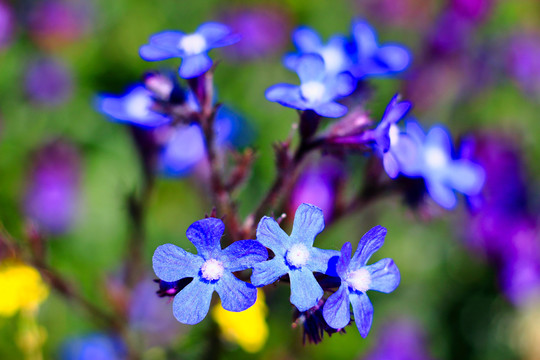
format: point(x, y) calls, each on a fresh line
point(295, 256)
point(134, 107)
point(401, 339)
point(48, 81)
point(211, 269)
point(318, 185)
point(317, 90)
point(52, 197)
point(523, 61)
point(7, 24)
point(264, 31)
point(335, 54)
point(192, 48)
point(372, 59)
point(94, 347)
point(442, 173)
point(357, 278)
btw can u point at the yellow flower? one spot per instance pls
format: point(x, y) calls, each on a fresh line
point(247, 328)
point(22, 288)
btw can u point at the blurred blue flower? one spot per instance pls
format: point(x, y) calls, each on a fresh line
point(52, 196)
point(211, 269)
point(295, 256)
point(94, 347)
point(48, 81)
point(184, 149)
point(317, 90)
point(307, 41)
point(134, 107)
point(372, 59)
point(442, 174)
point(192, 48)
point(400, 339)
point(357, 278)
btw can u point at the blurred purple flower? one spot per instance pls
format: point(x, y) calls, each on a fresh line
point(415, 14)
point(264, 31)
point(401, 339)
point(150, 315)
point(318, 185)
point(56, 23)
point(95, 346)
point(451, 33)
point(52, 197)
point(475, 10)
point(523, 61)
point(7, 24)
point(48, 81)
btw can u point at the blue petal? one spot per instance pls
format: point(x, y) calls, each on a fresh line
point(290, 61)
point(272, 236)
point(331, 110)
point(192, 303)
point(310, 67)
point(206, 234)
point(344, 259)
point(305, 290)
point(153, 53)
point(395, 110)
point(413, 129)
point(441, 193)
point(390, 165)
point(368, 245)
point(168, 40)
point(185, 149)
point(345, 84)
point(287, 95)
point(407, 155)
point(336, 311)
point(306, 40)
point(236, 295)
point(172, 263)
point(217, 34)
point(243, 254)
point(322, 260)
point(194, 65)
point(466, 177)
point(364, 35)
point(385, 276)
point(439, 138)
point(363, 312)
point(267, 272)
point(395, 58)
point(308, 223)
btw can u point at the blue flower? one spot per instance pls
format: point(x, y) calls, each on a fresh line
point(295, 256)
point(335, 55)
point(192, 48)
point(94, 346)
point(433, 161)
point(134, 107)
point(357, 278)
point(211, 269)
point(317, 90)
point(372, 59)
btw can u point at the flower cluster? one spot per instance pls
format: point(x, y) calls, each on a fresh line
point(294, 257)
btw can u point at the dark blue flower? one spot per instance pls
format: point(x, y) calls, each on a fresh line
point(134, 107)
point(211, 269)
point(357, 278)
point(372, 59)
point(317, 91)
point(295, 256)
point(433, 161)
point(192, 48)
point(335, 55)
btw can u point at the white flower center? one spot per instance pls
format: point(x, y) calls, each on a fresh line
point(394, 135)
point(359, 280)
point(312, 91)
point(212, 270)
point(435, 158)
point(138, 105)
point(333, 59)
point(192, 44)
point(298, 255)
